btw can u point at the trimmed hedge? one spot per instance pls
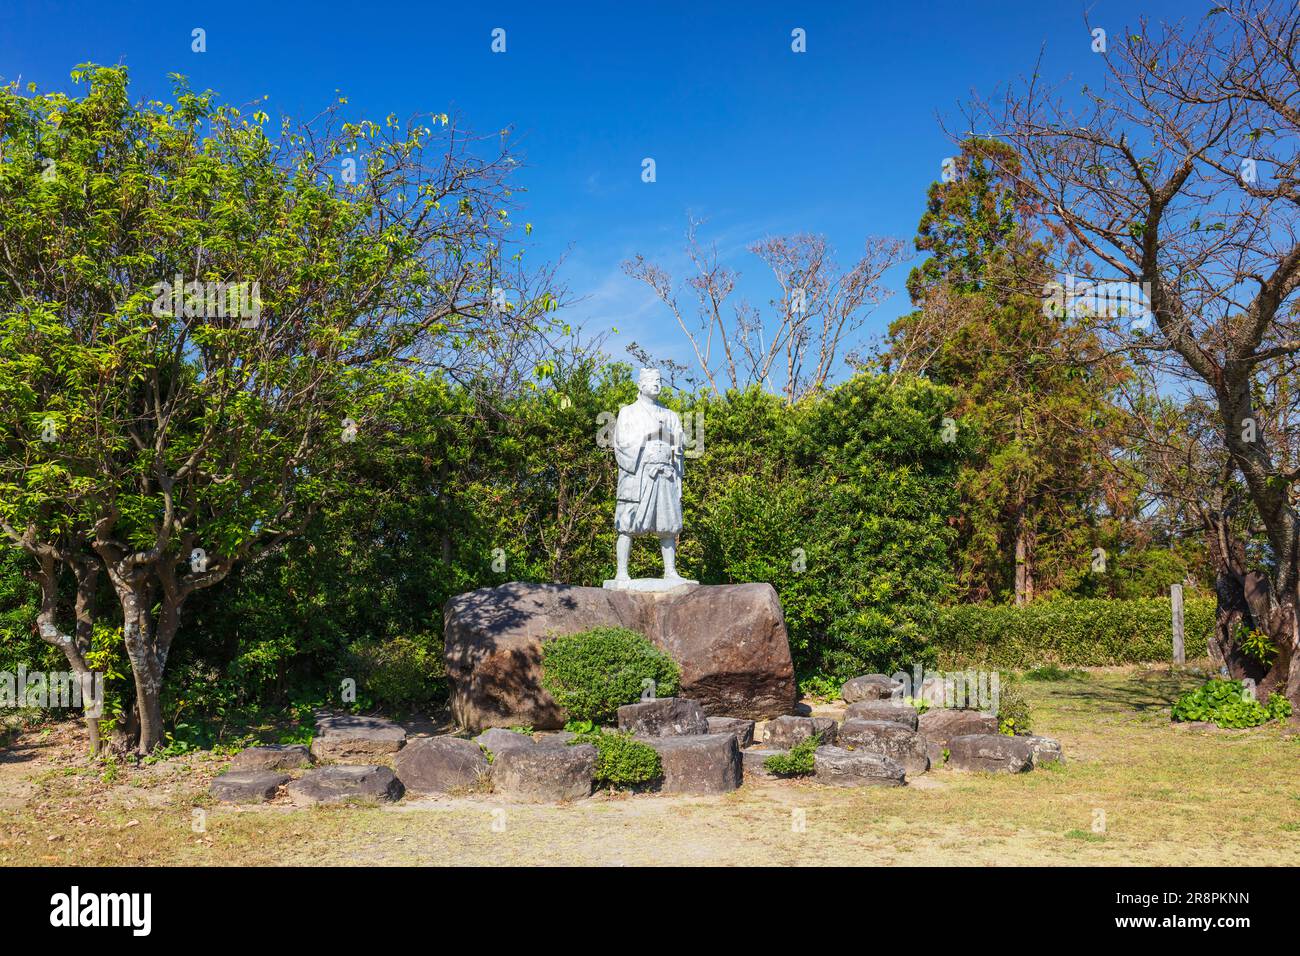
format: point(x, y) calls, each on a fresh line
point(1076, 633)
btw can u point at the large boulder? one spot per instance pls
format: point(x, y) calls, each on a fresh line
point(247, 786)
point(698, 763)
point(730, 641)
point(543, 774)
point(853, 768)
point(886, 739)
point(870, 687)
point(664, 717)
point(272, 757)
point(993, 753)
point(941, 724)
point(341, 784)
point(896, 711)
point(441, 765)
point(345, 737)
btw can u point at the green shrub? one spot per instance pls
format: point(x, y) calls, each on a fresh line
point(592, 673)
point(1257, 644)
point(621, 759)
point(1067, 633)
point(401, 673)
point(1051, 672)
point(797, 761)
point(1013, 709)
point(1225, 703)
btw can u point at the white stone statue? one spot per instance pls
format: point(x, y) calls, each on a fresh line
point(649, 446)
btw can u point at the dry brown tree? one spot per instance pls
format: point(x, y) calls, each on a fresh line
point(1177, 171)
point(812, 322)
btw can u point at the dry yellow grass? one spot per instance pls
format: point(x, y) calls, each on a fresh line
point(1170, 796)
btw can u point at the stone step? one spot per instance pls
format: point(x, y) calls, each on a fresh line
point(247, 786)
point(544, 774)
point(855, 768)
point(339, 784)
point(887, 739)
point(344, 737)
point(698, 763)
point(442, 765)
point(272, 757)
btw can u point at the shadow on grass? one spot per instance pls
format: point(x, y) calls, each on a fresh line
point(1142, 692)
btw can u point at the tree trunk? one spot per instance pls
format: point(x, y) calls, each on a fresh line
point(147, 643)
point(1024, 558)
point(136, 597)
point(87, 591)
point(78, 644)
point(1232, 613)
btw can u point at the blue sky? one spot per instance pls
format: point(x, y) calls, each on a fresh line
point(755, 139)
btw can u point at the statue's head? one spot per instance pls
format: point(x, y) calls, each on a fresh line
point(649, 384)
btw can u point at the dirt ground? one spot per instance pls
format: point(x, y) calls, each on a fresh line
point(1134, 790)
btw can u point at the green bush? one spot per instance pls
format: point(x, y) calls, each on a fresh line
point(1067, 633)
point(592, 673)
point(1051, 672)
point(1226, 704)
point(1013, 709)
point(622, 760)
point(796, 761)
point(401, 673)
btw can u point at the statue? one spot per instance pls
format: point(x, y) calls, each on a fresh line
point(649, 447)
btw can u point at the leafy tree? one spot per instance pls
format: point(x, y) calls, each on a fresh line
point(1031, 383)
point(194, 435)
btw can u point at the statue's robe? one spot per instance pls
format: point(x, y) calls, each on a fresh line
point(649, 446)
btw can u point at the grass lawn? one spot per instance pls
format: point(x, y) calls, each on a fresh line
point(1169, 796)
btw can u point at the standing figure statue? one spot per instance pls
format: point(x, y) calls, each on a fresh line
point(649, 446)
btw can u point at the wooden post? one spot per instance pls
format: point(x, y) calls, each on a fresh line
point(1176, 600)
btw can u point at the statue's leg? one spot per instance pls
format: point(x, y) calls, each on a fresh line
point(622, 549)
point(668, 545)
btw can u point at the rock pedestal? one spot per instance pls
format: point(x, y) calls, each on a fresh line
point(846, 768)
point(942, 724)
point(272, 757)
point(894, 711)
point(730, 641)
point(786, 732)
